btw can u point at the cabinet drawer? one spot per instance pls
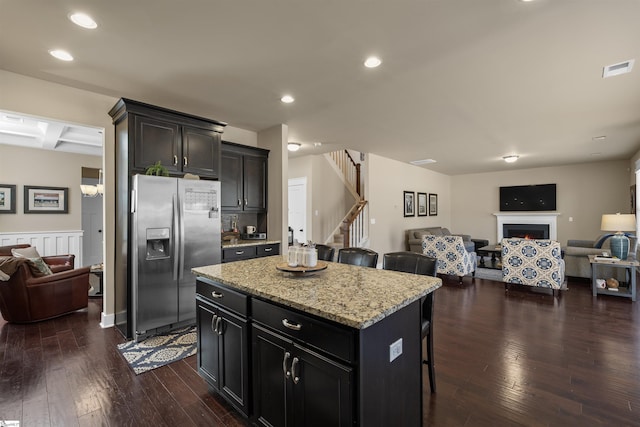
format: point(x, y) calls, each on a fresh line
point(268, 250)
point(306, 329)
point(222, 296)
point(235, 254)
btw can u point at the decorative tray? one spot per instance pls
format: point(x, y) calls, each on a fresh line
point(321, 265)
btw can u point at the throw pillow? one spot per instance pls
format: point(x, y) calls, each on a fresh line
point(36, 264)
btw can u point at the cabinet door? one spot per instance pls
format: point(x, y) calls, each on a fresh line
point(255, 183)
point(269, 379)
point(200, 152)
point(322, 390)
point(208, 343)
point(156, 140)
point(234, 360)
point(231, 181)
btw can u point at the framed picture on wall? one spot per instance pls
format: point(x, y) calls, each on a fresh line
point(409, 203)
point(433, 204)
point(46, 199)
point(7, 198)
point(422, 204)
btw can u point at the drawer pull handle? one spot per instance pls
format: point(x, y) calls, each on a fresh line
point(285, 371)
point(185, 161)
point(219, 325)
point(294, 365)
point(268, 249)
point(294, 326)
point(213, 321)
point(217, 294)
point(175, 160)
point(239, 202)
point(239, 252)
point(246, 203)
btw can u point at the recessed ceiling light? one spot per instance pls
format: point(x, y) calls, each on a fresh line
point(372, 62)
point(83, 20)
point(317, 144)
point(287, 99)
point(617, 69)
point(293, 146)
point(62, 55)
point(599, 138)
point(511, 158)
point(422, 162)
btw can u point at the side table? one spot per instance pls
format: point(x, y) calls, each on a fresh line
point(628, 291)
point(98, 273)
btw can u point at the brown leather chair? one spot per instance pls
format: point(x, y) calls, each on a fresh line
point(325, 253)
point(27, 298)
point(358, 256)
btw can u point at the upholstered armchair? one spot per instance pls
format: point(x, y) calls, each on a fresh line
point(29, 295)
point(533, 262)
point(453, 258)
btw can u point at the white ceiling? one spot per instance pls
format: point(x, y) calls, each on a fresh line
point(464, 82)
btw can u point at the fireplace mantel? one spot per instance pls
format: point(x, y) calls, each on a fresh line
point(550, 218)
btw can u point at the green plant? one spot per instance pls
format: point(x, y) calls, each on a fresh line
point(157, 169)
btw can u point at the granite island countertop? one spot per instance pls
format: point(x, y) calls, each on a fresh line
point(353, 296)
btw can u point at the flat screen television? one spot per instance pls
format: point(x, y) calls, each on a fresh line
point(532, 198)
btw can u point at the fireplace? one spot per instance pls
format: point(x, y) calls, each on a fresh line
point(526, 231)
point(547, 219)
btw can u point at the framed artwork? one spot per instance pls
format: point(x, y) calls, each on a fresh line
point(409, 203)
point(422, 204)
point(433, 204)
point(7, 198)
point(46, 199)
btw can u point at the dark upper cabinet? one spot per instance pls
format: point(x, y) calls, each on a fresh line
point(181, 142)
point(244, 178)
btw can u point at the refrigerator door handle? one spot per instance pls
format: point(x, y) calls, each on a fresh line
point(176, 236)
point(182, 239)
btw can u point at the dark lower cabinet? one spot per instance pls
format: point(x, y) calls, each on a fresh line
point(294, 386)
point(223, 358)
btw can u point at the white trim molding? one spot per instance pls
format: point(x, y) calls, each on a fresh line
point(550, 218)
point(48, 242)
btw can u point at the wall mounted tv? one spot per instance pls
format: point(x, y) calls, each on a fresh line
point(528, 198)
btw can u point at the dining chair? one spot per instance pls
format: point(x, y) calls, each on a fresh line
point(325, 252)
point(416, 263)
point(358, 256)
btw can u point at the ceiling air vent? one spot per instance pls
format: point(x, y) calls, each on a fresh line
point(617, 69)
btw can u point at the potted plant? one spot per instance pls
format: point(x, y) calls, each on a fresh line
point(157, 169)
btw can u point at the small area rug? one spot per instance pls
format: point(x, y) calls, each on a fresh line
point(159, 350)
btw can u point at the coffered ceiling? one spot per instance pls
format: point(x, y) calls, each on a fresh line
point(464, 82)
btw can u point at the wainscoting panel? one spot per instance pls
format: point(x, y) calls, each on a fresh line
point(48, 242)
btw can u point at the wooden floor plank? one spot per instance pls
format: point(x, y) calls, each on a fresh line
point(516, 358)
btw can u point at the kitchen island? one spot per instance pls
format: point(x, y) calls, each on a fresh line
point(339, 347)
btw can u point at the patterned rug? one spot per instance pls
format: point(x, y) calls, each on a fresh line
point(489, 273)
point(159, 350)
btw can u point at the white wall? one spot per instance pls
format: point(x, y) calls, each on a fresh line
point(584, 193)
point(326, 195)
point(386, 182)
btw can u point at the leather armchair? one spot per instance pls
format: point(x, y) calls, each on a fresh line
point(25, 298)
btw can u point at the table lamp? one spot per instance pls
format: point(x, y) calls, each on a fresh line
point(619, 223)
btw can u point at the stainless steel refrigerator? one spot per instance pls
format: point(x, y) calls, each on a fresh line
point(175, 226)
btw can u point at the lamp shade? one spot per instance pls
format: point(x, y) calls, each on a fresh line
point(618, 222)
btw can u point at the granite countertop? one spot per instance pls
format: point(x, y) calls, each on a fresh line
point(353, 296)
point(227, 244)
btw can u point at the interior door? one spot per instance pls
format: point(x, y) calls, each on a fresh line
point(298, 208)
point(92, 227)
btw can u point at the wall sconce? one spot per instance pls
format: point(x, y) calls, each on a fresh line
point(93, 190)
point(293, 146)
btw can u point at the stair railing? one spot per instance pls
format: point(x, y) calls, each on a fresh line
point(350, 169)
point(354, 226)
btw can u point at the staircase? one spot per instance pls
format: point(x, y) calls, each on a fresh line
point(353, 231)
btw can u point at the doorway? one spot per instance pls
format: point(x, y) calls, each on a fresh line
point(298, 208)
point(92, 223)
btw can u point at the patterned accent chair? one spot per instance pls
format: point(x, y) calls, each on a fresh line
point(453, 258)
point(533, 262)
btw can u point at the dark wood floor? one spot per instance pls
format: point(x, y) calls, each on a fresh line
point(517, 359)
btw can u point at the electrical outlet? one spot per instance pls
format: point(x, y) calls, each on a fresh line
point(395, 350)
